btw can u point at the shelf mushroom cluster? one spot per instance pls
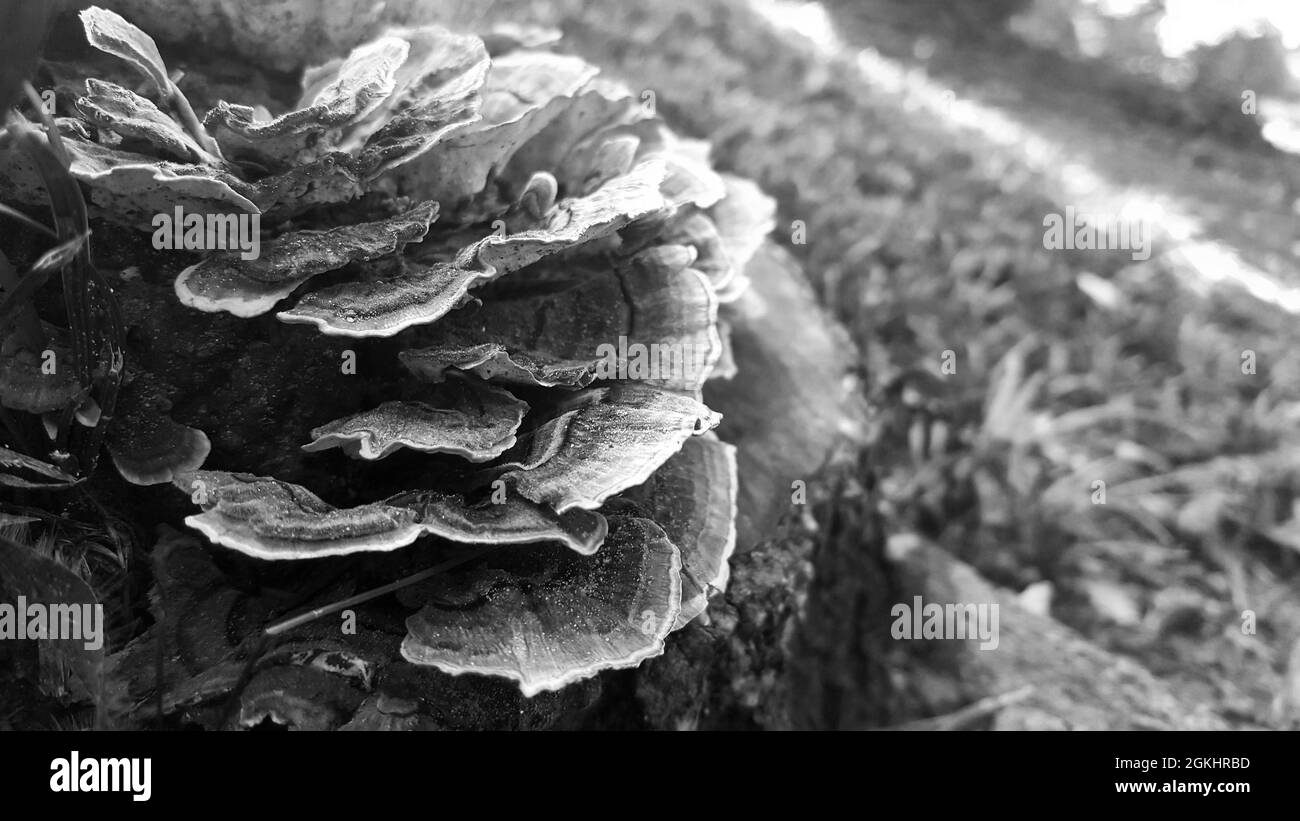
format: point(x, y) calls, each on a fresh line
point(537, 215)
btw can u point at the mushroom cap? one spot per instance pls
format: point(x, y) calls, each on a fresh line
point(148, 447)
point(269, 519)
point(126, 187)
point(522, 92)
point(333, 98)
point(574, 222)
point(110, 106)
point(156, 452)
point(436, 95)
point(693, 498)
point(477, 423)
point(744, 218)
point(652, 319)
point(386, 306)
point(547, 618)
point(513, 521)
point(611, 439)
point(266, 518)
point(227, 282)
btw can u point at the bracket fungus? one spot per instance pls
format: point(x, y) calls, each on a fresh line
point(555, 266)
point(655, 320)
point(693, 497)
point(613, 438)
point(269, 519)
point(546, 618)
point(153, 449)
point(228, 282)
point(148, 447)
point(479, 434)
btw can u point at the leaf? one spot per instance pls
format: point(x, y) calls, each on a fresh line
point(15, 214)
point(59, 255)
point(22, 471)
point(70, 665)
point(110, 32)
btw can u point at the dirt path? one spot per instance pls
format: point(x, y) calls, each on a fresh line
point(1224, 204)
